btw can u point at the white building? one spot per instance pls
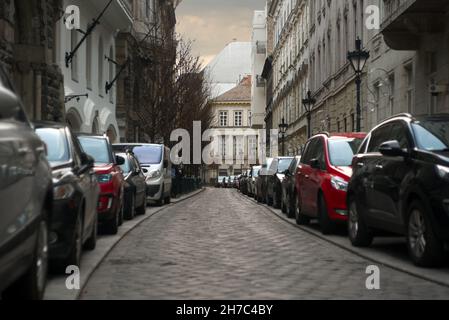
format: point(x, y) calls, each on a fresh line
point(229, 67)
point(258, 57)
point(90, 68)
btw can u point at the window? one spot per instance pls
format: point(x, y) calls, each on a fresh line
point(57, 145)
point(74, 42)
point(223, 119)
point(111, 75)
point(378, 137)
point(391, 81)
point(89, 63)
point(238, 118)
point(410, 90)
point(100, 67)
point(432, 135)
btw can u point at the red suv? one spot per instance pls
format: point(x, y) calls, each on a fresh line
point(110, 178)
point(322, 179)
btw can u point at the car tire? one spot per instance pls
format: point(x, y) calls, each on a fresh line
point(301, 219)
point(290, 208)
point(91, 243)
point(326, 224)
point(74, 257)
point(131, 208)
point(167, 199)
point(111, 226)
point(31, 286)
point(143, 208)
point(424, 248)
point(358, 232)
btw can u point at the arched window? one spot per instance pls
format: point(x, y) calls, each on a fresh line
point(101, 85)
point(95, 126)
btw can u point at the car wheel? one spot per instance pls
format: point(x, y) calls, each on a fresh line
point(143, 208)
point(111, 226)
point(74, 257)
point(31, 286)
point(91, 243)
point(290, 207)
point(167, 199)
point(121, 213)
point(131, 208)
point(359, 233)
point(326, 224)
point(301, 219)
point(425, 249)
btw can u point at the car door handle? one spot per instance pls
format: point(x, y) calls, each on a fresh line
point(23, 150)
point(360, 164)
point(379, 166)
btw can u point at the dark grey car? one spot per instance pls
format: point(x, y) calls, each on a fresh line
point(26, 197)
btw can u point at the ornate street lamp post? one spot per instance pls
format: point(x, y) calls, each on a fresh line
point(308, 105)
point(283, 129)
point(358, 59)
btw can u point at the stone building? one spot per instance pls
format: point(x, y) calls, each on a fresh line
point(154, 24)
point(28, 46)
point(290, 66)
point(231, 116)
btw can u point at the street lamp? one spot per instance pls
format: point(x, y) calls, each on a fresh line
point(308, 105)
point(358, 59)
point(283, 129)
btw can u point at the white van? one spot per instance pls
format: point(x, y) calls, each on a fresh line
point(156, 165)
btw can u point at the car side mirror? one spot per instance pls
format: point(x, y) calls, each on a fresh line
point(315, 164)
point(120, 160)
point(391, 149)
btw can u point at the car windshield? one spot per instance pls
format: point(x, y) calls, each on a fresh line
point(342, 151)
point(148, 154)
point(284, 164)
point(126, 167)
point(97, 149)
point(432, 135)
point(57, 145)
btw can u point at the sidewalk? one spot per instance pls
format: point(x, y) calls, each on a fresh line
point(56, 288)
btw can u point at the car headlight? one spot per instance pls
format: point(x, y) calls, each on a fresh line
point(104, 178)
point(443, 172)
point(154, 174)
point(339, 184)
point(63, 192)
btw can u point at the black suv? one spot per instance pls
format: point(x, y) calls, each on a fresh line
point(400, 184)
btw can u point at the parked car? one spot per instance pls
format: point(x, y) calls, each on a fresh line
point(231, 181)
point(261, 181)
point(135, 186)
point(110, 178)
point(221, 182)
point(76, 194)
point(288, 188)
point(252, 181)
point(274, 178)
point(237, 181)
point(244, 182)
point(322, 179)
point(401, 185)
point(26, 201)
point(156, 166)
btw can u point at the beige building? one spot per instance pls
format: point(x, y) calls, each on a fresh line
point(290, 66)
point(232, 112)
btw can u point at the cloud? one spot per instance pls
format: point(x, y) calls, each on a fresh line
point(212, 24)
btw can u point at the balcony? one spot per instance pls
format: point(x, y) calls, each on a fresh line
point(406, 21)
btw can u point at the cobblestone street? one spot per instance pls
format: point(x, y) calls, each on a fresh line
point(220, 245)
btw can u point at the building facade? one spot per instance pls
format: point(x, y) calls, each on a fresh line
point(93, 66)
point(258, 57)
point(231, 117)
point(290, 67)
point(28, 47)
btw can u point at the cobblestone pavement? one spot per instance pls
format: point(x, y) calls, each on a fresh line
point(219, 245)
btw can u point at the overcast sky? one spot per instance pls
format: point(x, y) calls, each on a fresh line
point(214, 23)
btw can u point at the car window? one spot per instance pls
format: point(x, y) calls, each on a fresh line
point(319, 154)
point(309, 151)
point(57, 145)
point(341, 151)
point(284, 164)
point(272, 169)
point(399, 132)
point(97, 149)
point(379, 136)
point(363, 146)
point(148, 154)
point(432, 135)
